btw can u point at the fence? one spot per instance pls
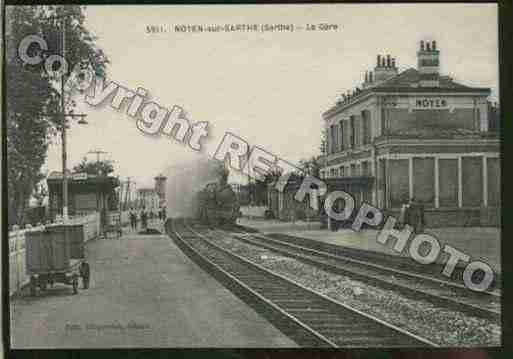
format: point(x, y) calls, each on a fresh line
point(17, 274)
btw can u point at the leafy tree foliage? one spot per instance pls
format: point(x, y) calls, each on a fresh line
point(95, 168)
point(311, 166)
point(258, 189)
point(33, 98)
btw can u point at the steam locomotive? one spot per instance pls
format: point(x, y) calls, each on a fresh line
point(217, 204)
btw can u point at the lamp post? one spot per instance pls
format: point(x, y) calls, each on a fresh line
point(63, 115)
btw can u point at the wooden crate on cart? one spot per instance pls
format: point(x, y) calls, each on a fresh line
point(51, 257)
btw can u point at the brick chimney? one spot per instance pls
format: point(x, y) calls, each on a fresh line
point(385, 68)
point(428, 58)
point(368, 79)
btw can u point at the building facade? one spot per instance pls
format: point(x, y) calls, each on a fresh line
point(419, 135)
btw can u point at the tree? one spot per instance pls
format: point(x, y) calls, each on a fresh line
point(94, 168)
point(258, 189)
point(311, 166)
point(32, 95)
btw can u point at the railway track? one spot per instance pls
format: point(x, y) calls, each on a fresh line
point(308, 317)
point(447, 294)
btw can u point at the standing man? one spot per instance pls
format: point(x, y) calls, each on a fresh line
point(144, 219)
point(405, 212)
point(416, 215)
point(133, 219)
point(85, 273)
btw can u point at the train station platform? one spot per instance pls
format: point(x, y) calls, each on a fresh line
point(144, 292)
point(480, 243)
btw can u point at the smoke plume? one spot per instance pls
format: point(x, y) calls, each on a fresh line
point(183, 182)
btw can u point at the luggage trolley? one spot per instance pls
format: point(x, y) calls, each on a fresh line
point(55, 255)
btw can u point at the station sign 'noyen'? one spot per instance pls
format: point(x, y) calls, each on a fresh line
point(429, 103)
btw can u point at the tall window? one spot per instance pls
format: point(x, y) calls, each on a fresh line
point(347, 134)
point(384, 124)
point(357, 131)
point(332, 139)
point(342, 134)
point(366, 123)
point(352, 131)
point(335, 138)
point(365, 168)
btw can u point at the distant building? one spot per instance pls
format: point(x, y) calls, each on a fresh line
point(86, 193)
point(418, 134)
point(160, 189)
point(148, 198)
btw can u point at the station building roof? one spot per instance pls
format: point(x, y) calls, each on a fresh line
point(407, 81)
point(82, 179)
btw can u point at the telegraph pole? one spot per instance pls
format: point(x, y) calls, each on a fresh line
point(127, 192)
point(63, 135)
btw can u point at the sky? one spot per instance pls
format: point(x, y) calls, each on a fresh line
point(269, 88)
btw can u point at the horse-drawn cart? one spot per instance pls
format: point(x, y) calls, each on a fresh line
point(55, 255)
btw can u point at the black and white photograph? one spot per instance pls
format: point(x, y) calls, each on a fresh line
point(252, 176)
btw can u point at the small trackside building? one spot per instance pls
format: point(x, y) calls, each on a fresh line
point(419, 135)
point(86, 193)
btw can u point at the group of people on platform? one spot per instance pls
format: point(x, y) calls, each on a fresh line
point(412, 213)
point(144, 216)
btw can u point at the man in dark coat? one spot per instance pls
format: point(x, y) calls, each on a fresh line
point(85, 273)
point(133, 220)
point(416, 216)
point(144, 219)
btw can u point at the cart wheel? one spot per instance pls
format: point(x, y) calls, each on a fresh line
point(32, 286)
point(75, 285)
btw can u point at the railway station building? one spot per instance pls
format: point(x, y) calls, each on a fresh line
point(417, 134)
point(86, 193)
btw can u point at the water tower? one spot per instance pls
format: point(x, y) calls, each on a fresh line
point(160, 188)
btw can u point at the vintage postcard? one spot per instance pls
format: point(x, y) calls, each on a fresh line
point(253, 176)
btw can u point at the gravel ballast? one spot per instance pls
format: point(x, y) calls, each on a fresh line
point(444, 327)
